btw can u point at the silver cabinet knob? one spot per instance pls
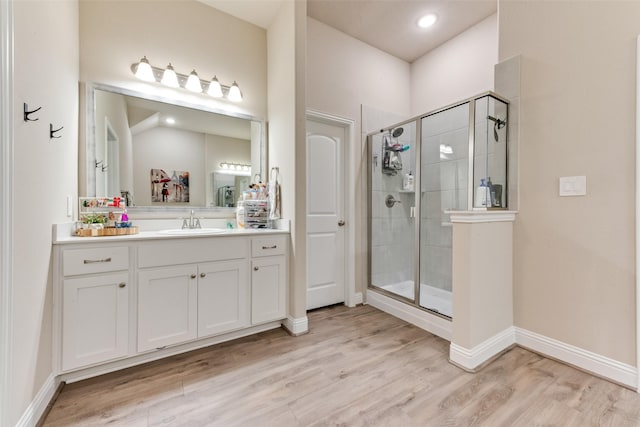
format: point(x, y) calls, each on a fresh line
point(203, 274)
point(341, 223)
point(193, 276)
point(122, 285)
point(256, 268)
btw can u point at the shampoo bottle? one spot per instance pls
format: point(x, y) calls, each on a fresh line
point(482, 195)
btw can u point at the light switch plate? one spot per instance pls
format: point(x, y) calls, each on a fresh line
point(573, 186)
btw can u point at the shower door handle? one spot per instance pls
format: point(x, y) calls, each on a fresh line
point(341, 223)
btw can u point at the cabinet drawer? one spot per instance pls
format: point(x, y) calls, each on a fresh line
point(97, 260)
point(267, 246)
point(189, 251)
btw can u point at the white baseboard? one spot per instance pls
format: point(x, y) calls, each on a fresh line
point(36, 408)
point(599, 365)
point(296, 326)
point(355, 299)
point(422, 319)
point(470, 359)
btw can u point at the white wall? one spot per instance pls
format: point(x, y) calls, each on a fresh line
point(457, 69)
point(112, 106)
point(574, 257)
point(286, 70)
point(170, 150)
point(343, 76)
point(222, 149)
point(189, 34)
point(45, 172)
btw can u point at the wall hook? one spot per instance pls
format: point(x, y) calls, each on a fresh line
point(52, 131)
point(27, 113)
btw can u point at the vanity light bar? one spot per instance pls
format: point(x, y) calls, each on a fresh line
point(169, 77)
point(235, 166)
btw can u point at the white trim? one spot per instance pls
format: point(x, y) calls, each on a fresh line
point(421, 318)
point(470, 359)
point(637, 222)
point(351, 300)
point(38, 406)
point(296, 326)
point(583, 359)
point(482, 216)
point(6, 197)
point(357, 299)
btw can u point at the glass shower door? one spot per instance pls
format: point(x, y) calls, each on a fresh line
point(392, 230)
point(443, 186)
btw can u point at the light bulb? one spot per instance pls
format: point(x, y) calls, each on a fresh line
point(193, 83)
point(144, 71)
point(234, 93)
point(169, 77)
point(427, 20)
point(215, 89)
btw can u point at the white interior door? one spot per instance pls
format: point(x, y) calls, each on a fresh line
point(325, 215)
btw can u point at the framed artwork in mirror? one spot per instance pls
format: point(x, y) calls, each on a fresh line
point(167, 188)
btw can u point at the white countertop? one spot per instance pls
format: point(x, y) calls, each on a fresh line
point(63, 234)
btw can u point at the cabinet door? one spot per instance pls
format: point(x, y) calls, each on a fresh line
point(223, 297)
point(167, 299)
point(268, 289)
point(95, 319)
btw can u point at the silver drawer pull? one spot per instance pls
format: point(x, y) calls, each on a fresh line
point(95, 261)
point(270, 247)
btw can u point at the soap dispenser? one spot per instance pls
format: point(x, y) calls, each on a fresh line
point(407, 182)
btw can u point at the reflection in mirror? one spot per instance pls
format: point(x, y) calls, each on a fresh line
point(139, 144)
point(228, 187)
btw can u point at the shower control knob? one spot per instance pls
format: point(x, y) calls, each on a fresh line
point(341, 223)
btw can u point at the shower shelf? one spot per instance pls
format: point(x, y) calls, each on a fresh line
point(410, 191)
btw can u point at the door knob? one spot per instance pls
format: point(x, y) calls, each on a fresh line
point(341, 223)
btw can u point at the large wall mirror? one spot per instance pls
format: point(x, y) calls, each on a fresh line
point(160, 154)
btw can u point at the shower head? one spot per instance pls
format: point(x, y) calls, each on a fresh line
point(397, 132)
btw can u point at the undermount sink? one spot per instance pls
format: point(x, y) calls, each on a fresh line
point(192, 231)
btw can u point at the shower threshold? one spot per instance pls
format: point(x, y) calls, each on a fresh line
point(431, 298)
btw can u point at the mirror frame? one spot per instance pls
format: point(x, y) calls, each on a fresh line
point(87, 143)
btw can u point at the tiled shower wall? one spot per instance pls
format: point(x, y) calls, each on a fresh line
point(445, 144)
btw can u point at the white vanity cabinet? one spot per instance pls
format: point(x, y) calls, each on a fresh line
point(190, 300)
point(268, 279)
point(95, 300)
point(118, 303)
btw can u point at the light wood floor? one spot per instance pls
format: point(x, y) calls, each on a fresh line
point(356, 367)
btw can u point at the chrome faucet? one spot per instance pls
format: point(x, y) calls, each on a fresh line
point(192, 223)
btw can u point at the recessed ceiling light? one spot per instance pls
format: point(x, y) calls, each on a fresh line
point(170, 120)
point(427, 20)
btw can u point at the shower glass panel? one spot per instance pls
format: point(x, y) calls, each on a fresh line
point(444, 186)
point(392, 202)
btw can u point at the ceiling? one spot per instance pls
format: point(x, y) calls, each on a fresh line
point(389, 25)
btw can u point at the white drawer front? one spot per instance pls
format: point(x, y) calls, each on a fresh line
point(189, 251)
point(96, 260)
point(267, 246)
